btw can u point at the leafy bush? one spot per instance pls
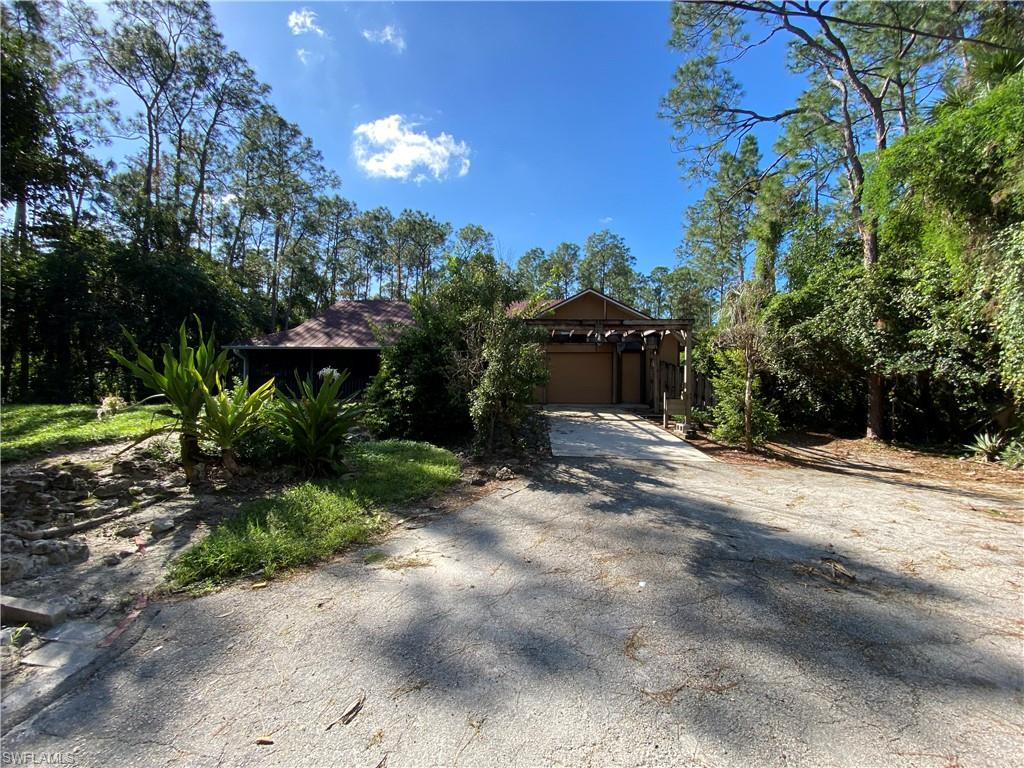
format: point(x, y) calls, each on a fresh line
point(729, 383)
point(184, 378)
point(504, 373)
point(315, 424)
point(699, 416)
point(1013, 454)
point(414, 394)
point(423, 387)
point(986, 445)
point(264, 447)
point(231, 415)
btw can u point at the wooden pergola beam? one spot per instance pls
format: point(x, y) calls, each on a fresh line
point(682, 324)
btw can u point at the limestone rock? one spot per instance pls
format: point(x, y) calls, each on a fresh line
point(11, 544)
point(14, 567)
point(161, 525)
point(63, 480)
point(112, 490)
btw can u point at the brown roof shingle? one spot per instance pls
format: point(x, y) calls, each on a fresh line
point(345, 325)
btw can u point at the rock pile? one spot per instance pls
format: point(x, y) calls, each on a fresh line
point(43, 506)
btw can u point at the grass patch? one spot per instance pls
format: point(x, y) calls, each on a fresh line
point(313, 520)
point(28, 431)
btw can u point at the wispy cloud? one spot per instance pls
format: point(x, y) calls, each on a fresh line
point(303, 22)
point(304, 56)
point(606, 220)
point(393, 148)
point(389, 35)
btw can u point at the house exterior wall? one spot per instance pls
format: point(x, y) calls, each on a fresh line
point(592, 307)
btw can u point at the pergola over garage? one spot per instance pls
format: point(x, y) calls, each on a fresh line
point(603, 352)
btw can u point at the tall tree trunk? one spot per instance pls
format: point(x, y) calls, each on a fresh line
point(748, 405)
point(23, 378)
point(275, 278)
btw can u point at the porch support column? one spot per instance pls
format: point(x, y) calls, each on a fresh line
point(617, 373)
point(688, 383)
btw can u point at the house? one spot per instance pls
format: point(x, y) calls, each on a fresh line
point(347, 336)
point(600, 351)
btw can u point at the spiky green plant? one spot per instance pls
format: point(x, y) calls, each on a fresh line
point(181, 380)
point(315, 423)
point(230, 415)
point(986, 445)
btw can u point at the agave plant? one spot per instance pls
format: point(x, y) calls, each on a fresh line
point(316, 422)
point(183, 377)
point(986, 446)
point(231, 415)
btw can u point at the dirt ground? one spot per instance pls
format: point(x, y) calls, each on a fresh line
point(866, 457)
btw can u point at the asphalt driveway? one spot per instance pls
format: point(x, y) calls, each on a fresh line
point(600, 613)
point(612, 433)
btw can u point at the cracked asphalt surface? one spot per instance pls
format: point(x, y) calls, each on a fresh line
point(601, 613)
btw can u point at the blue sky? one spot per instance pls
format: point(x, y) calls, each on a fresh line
point(536, 120)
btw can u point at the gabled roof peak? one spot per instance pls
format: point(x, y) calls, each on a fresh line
point(550, 307)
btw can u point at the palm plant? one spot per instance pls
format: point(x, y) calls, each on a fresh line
point(185, 374)
point(231, 415)
point(316, 422)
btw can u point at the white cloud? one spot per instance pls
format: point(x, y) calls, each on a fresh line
point(389, 35)
point(303, 54)
point(606, 220)
point(304, 22)
point(392, 148)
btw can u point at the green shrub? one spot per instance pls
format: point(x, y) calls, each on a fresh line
point(511, 366)
point(264, 447)
point(729, 384)
point(315, 424)
point(229, 416)
point(426, 377)
point(1013, 454)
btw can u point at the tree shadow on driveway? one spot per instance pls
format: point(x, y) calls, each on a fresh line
point(598, 611)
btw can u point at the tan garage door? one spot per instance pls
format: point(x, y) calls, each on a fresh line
point(580, 377)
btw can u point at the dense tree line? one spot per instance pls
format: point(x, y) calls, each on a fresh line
point(220, 206)
point(874, 254)
point(866, 268)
